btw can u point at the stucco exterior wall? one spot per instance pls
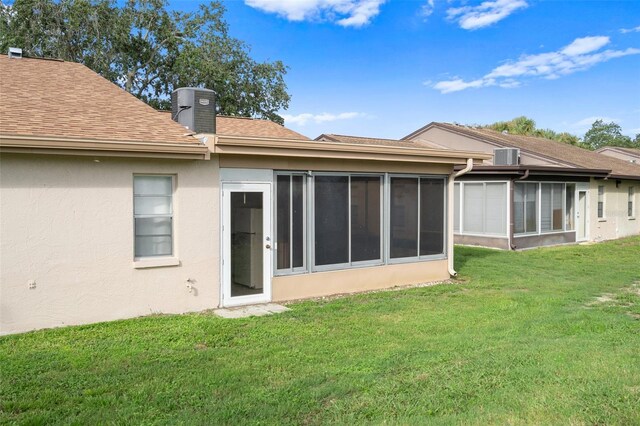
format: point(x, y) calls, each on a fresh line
point(66, 223)
point(616, 223)
point(353, 280)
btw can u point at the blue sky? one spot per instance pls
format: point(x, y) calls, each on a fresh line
point(385, 68)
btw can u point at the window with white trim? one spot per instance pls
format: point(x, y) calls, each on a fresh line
point(600, 201)
point(525, 208)
point(631, 210)
point(153, 215)
point(290, 221)
point(485, 208)
point(551, 207)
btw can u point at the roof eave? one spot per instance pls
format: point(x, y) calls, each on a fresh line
point(76, 146)
point(316, 149)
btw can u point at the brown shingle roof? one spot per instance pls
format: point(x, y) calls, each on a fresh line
point(51, 98)
point(328, 137)
point(251, 127)
point(565, 153)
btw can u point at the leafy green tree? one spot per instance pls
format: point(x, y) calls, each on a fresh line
point(149, 50)
point(527, 127)
point(607, 134)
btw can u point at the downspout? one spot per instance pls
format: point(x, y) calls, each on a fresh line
point(451, 212)
point(512, 224)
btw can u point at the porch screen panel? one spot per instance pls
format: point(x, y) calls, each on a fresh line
point(556, 206)
point(283, 217)
point(531, 210)
point(431, 216)
point(297, 220)
point(545, 207)
point(570, 207)
point(518, 208)
point(403, 233)
point(473, 198)
point(331, 220)
point(365, 218)
point(496, 208)
point(456, 207)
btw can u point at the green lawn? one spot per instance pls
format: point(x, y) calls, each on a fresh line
point(547, 336)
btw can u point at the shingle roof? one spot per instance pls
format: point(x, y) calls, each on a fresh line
point(52, 98)
point(629, 151)
point(329, 137)
point(243, 126)
point(564, 153)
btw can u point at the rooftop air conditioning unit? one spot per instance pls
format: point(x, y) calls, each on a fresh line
point(194, 108)
point(506, 157)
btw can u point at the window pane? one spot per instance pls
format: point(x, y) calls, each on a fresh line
point(283, 221)
point(456, 207)
point(150, 226)
point(518, 208)
point(556, 206)
point(570, 206)
point(365, 218)
point(545, 206)
point(153, 246)
point(404, 217)
point(298, 221)
point(431, 216)
point(473, 219)
point(152, 205)
point(331, 220)
point(496, 208)
point(531, 215)
point(152, 185)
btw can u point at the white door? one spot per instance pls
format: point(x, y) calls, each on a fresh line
point(581, 216)
point(246, 243)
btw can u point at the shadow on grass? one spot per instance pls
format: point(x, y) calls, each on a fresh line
point(462, 254)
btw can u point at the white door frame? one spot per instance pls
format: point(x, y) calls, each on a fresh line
point(585, 213)
point(265, 296)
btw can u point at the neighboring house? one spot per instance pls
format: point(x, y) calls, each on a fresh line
point(535, 191)
point(110, 210)
point(629, 154)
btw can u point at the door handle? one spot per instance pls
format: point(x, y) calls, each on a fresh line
point(268, 246)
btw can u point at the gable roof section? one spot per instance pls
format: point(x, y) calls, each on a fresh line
point(627, 152)
point(62, 101)
point(329, 137)
point(244, 126)
point(570, 155)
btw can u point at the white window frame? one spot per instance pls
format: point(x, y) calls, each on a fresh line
point(140, 259)
point(539, 230)
point(387, 233)
point(602, 195)
point(462, 231)
point(305, 222)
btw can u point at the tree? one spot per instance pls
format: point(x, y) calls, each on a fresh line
point(527, 127)
point(607, 134)
point(149, 50)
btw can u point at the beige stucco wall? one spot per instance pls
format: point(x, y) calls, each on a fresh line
point(616, 223)
point(67, 224)
point(318, 284)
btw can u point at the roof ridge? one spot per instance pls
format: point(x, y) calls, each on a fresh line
point(364, 137)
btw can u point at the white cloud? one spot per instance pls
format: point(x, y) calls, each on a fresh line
point(485, 14)
point(630, 30)
point(325, 117)
point(347, 13)
point(581, 54)
point(427, 9)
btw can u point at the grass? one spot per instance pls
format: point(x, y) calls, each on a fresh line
point(544, 336)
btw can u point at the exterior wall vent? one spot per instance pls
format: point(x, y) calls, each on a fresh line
point(506, 157)
point(194, 108)
point(15, 52)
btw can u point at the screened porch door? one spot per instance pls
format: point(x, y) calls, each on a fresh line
point(246, 243)
point(581, 216)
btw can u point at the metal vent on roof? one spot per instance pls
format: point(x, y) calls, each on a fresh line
point(15, 52)
point(194, 108)
point(506, 157)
